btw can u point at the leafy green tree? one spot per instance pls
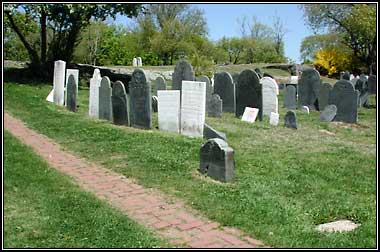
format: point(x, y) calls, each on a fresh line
point(312, 44)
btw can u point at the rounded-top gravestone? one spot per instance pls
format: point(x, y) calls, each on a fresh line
point(269, 92)
point(291, 120)
point(159, 84)
point(72, 94)
point(119, 104)
point(182, 71)
point(372, 84)
point(249, 93)
point(224, 86)
point(105, 103)
point(323, 95)
point(344, 97)
point(308, 88)
point(328, 114)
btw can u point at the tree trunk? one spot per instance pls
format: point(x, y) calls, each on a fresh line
point(43, 37)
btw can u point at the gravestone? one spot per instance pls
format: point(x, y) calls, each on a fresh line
point(293, 80)
point(305, 109)
point(134, 63)
point(274, 119)
point(59, 82)
point(308, 88)
point(372, 84)
point(352, 76)
point(183, 71)
point(72, 94)
point(328, 114)
point(209, 88)
point(281, 86)
point(345, 75)
point(74, 72)
point(291, 120)
point(49, 98)
point(154, 103)
point(94, 94)
point(361, 83)
point(267, 75)
point(215, 106)
point(249, 93)
point(224, 86)
point(250, 114)
point(105, 103)
point(290, 97)
point(217, 160)
point(140, 101)
point(169, 109)
point(159, 84)
point(209, 133)
point(193, 108)
point(354, 81)
point(270, 92)
point(323, 95)
point(119, 104)
point(139, 62)
point(344, 97)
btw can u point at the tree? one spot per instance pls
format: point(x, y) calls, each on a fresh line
point(332, 60)
point(312, 44)
point(278, 35)
point(355, 22)
point(64, 21)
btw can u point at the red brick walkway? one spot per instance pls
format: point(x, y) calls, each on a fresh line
point(182, 226)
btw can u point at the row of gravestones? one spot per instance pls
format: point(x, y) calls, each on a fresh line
point(137, 62)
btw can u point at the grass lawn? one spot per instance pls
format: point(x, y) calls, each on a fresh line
point(44, 209)
point(287, 181)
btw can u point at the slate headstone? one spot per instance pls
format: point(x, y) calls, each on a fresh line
point(224, 86)
point(249, 93)
point(209, 88)
point(215, 106)
point(169, 109)
point(217, 160)
point(267, 75)
point(308, 88)
point(59, 82)
point(209, 132)
point(372, 84)
point(290, 97)
point(328, 114)
point(105, 103)
point(323, 95)
point(72, 94)
point(74, 72)
point(140, 101)
point(159, 84)
point(344, 97)
point(94, 94)
point(270, 92)
point(119, 104)
point(291, 120)
point(182, 71)
point(345, 76)
point(281, 86)
point(154, 103)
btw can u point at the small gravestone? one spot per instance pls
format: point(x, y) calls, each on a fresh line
point(224, 86)
point(105, 103)
point(134, 62)
point(323, 95)
point(345, 76)
point(217, 160)
point(328, 114)
point(361, 84)
point(274, 119)
point(249, 93)
point(352, 76)
point(59, 82)
point(183, 71)
point(250, 114)
point(94, 94)
point(139, 62)
point(291, 120)
point(209, 133)
point(169, 109)
point(353, 82)
point(159, 84)
point(215, 106)
point(140, 101)
point(344, 97)
point(338, 226)
point(74, 72)
point(308, 88)
point(154, 103)
point(281, 86)
point(372, 84)
point(290, 97)
point(119, 104)
point(270, 92)
point(193, 108)
point(72, 94)
point(305, 109)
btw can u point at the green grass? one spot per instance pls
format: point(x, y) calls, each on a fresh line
point(287, 181)
point(44, 209)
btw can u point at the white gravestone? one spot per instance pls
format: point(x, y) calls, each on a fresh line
point(250, 114)
point(94, 94)
point(134, 62)
point(274, 119)
point(74, 72)
point(269, 92)
point(293, 80)
point(49, 98)
point(193, 108)
point(139, 62)
point(169, 109)
point(59, 82)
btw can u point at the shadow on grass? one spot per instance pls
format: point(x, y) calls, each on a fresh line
point(23, 76)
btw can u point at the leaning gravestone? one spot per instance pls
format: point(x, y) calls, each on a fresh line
point(290, 97)
point(119, 104)
point(74, 72)
point(372, 84)
point(328, 114)
point(323, 95)
point(270, 91)
point(291, 120)
point(94, 94)
point(249, 93)
point(140, 101)
point(72, 94)
point(215, 106)
point(193, 108)
point(59, 82)
point(159, 84)
point(183, 71)
point(308, 88)
point(344, 97)
point(217, 160)
point(169, 109)
point(209, 133)
point(105, 103)
point(224, 86)
point(250, 114)
point(154, 103)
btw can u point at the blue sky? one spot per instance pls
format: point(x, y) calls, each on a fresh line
point(222, 20)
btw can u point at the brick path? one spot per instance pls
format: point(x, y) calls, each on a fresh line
point(182, 226)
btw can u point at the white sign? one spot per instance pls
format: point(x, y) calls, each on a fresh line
point(250, 114)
